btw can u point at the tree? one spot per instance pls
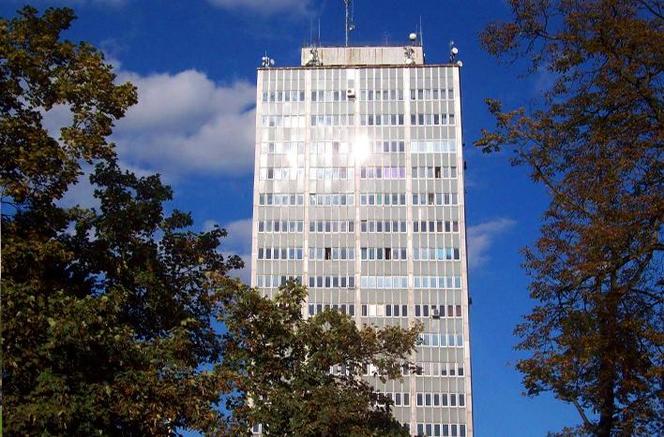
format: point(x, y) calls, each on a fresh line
point(106, 313)
point(595, 140)
point(38, 72)
point(304, 377)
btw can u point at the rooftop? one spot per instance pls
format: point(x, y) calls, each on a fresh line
point(313, 56)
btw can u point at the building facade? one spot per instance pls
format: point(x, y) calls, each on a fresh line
point(358, 192)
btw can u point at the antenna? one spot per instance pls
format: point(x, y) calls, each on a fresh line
point(349, 24)
point(311, 32)
point(421, 33)
point(266, 61)
point(454, 51)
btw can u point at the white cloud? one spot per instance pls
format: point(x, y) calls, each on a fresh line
point(239, 234)
point(481, 237)
point(238, 242)
point(266, 7)
point(244, 274)
point(184, 124)
point(55, 119)
point(544, 81)
point(81, 193)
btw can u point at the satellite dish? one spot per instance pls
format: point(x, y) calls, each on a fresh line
point(454, 51)
point(266, 61)
point(412, 36)
point(459, 64)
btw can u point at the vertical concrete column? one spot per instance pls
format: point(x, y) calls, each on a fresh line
point(409, 237)
point(307, 182)
point(257, 154)
point(463, 252)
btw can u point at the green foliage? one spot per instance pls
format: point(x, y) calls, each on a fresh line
point(106, 314)
point(596, 334)
point(105, 326)
point(280, 365)
point(38, 73)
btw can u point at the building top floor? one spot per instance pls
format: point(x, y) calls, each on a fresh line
point(341, 58)
point(312, 56)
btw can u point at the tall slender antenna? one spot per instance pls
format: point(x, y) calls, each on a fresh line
point(319, 31)
point(311, 32)
point(349, 25)
point(421, 33)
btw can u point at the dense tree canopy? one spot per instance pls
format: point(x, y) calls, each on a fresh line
point(39, 72)
point(596, 141)
point(280, 364)
point(105, 312)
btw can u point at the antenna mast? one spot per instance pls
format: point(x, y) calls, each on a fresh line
point(349, 25)
point(421, 33)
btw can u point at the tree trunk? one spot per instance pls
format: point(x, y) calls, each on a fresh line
point(607, 368)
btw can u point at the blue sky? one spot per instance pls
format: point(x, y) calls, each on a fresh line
point(195, 61)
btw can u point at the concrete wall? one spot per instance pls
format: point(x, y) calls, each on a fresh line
point(365, 55)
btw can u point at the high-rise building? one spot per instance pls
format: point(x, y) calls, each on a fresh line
point(358, 192)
